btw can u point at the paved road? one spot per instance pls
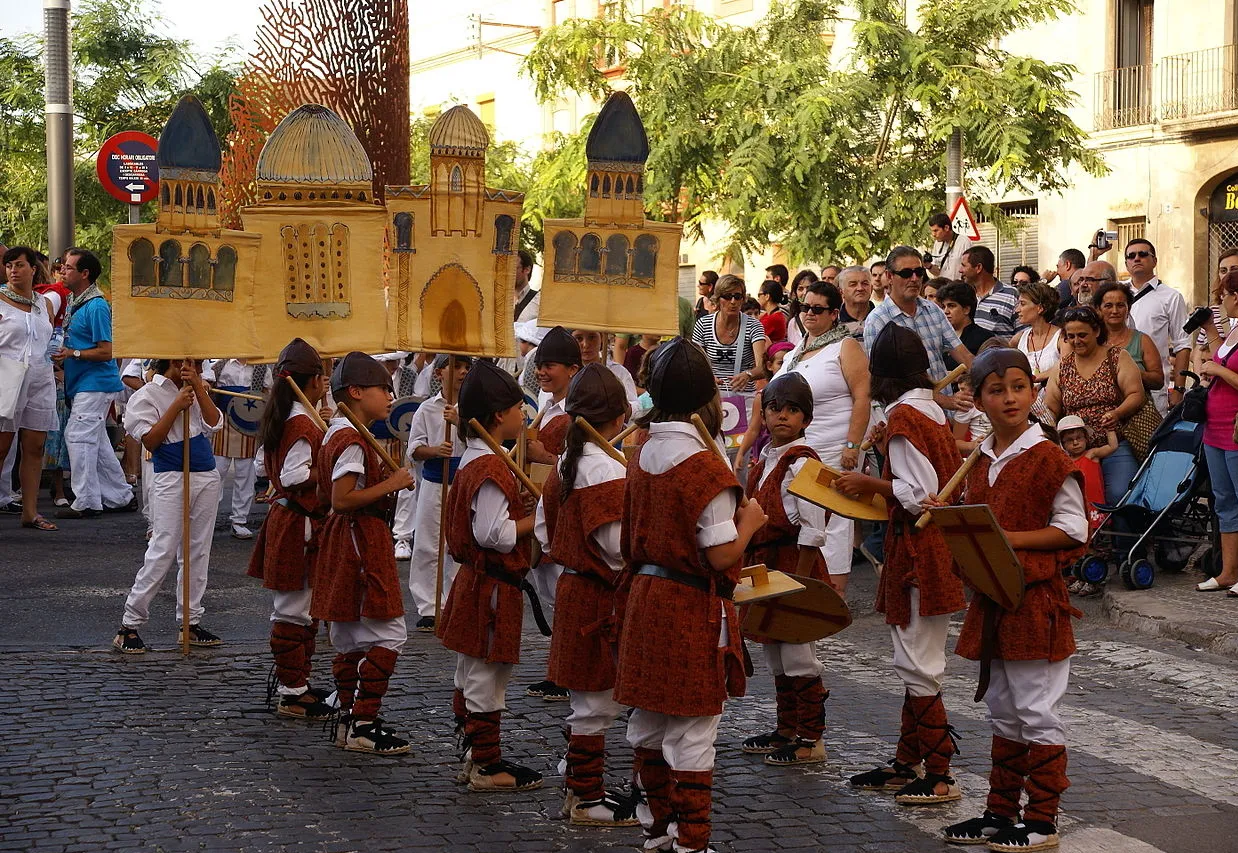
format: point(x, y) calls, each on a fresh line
point(161, 753)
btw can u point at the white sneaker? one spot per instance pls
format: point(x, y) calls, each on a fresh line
point(403, 550)
point(240, 531)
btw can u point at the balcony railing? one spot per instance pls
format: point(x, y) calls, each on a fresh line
point(1198, 83)
point(1186, 85)
point(1124, 97)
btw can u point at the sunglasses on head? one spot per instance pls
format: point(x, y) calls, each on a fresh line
point(817, 310)
point(918, 272)
point(731, 296)
point(1130, 256)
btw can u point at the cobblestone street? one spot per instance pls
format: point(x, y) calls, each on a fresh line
point(162, 753)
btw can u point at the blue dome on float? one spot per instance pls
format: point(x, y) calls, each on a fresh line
point(188, 140)
point(618, 134)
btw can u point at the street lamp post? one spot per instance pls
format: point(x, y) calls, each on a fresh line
point(58, 110)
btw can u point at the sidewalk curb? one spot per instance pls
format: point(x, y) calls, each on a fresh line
point(1144, 613)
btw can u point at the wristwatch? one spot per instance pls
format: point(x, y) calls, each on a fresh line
point(851, 445)
point(77, 353)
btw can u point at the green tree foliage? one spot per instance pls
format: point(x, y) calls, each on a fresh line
point(768, 130)
point(127, 76)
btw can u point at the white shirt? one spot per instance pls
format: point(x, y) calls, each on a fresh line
point(299, 459)
point(809, 517)
point(426, 430)
point(625, 379)
point(421, 386)
point(949, 256)
point(670, 444)
point(351, 459)
point(549, 408)
point(914, 477)
point(1069, 513)
point(1160, 314)
point(150, 402)
point(529, 312)
point(490, 523)
point(593, 468)
point(230, 371)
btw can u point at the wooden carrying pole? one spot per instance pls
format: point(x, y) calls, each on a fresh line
point(710, 444)
point(948, 379)
point(628, 430)
point(529, 485)
point(185, 531)
point(309, 407)
point(449, 398)
point(951, 486)
point(374, 443)
point(240, 394)
point(596, 438)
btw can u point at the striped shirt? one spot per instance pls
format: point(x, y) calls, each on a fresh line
point(929, 322)
point(722, 356)
point(995, 312)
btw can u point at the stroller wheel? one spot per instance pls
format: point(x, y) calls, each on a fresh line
point(1139, 574)
point(1093, 569)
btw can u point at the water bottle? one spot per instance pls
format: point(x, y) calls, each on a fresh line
point(56, 342)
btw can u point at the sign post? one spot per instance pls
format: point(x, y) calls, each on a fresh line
point(128, 169)
point(962, 221)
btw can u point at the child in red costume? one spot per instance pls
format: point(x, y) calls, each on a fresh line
point(488, 527)
point(288, 443)
point(579, 517)
point(684, 536)
point(918, 589)
point(791, 542)
point(1036, 496)
point(356, 586)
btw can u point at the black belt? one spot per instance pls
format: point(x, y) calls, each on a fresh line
point(293, 506)
point(591, 576)
point(694, 581)
point(509, 578)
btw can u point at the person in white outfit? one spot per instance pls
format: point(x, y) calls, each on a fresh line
point(234, 450)
point(154, 417)
point(430, 452)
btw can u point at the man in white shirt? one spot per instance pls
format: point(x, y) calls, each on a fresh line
point(947, 251)
point(1159, 312)
point(527, 300)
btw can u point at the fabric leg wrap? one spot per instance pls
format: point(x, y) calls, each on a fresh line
point(586, 761)
point(810, 705)
point(375, 673)
point(458, 709)
point(308, 647)
point(344, 668)
point(481, 735)
point(1006, 777)
point(1046, 780)
point(908, 739)
point(653, 775)
point(785, 697)
point(288, 649)
point(933, 731)
point(691, 798)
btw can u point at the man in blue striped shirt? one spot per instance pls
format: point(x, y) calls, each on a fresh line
point(995, 302)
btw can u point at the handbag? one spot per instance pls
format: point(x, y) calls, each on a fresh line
point(1138, 428)
point(12, 377)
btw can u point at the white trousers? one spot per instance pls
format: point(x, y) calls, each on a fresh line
point(365, 634)
point(240, 473)
point(402, 525)
point(687, 743)
point(148, 478)
point(292, 606)
point(423, 568)
point(798, 660)
point(593, 711)
point(164, 547)
point(839, 535)
point(1023, 698)
point(920, 650)
point(7, 495)
point(97, 478)
point(544, 577)
point(484, 685)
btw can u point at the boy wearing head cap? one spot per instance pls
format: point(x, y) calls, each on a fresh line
point(357, 587)
point(289, 442)
point(680, 652)
point(233, 449)
point(1036, 495)
point(578, 521)
point(918, 589)
point(488, 525)
point(791, 542)
point(432, 455)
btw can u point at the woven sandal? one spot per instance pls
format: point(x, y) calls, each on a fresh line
point(922, 792)
point(798, 752)
point(978, 830)
point(766, 743)
point(893, 777)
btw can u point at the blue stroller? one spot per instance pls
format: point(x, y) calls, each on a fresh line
point(1164, 516)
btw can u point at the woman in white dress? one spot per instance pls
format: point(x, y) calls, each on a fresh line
point(25, 330)
point(836, 369)
point(1039, 340)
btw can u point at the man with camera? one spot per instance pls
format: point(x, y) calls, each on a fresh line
point(946, 256)
point(1159, 312)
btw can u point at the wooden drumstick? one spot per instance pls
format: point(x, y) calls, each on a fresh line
point(597, 438)
point(377, 447)
point(628, 430)
point(498, 450)
point(710, 444)
point(951, 485)
point(951, 377)
point(309, 407)
point(240, 394)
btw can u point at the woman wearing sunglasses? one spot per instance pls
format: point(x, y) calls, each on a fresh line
point(734, 342)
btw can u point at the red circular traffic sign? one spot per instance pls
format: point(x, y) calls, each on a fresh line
point(128, 167)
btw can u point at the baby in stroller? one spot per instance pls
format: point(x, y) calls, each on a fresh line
point(1073, 434)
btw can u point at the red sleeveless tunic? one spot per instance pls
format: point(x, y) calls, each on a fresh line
point(282, 558)
point(355, 574)
point(470, 624)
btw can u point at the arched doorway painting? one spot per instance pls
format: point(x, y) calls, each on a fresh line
point(451, 305)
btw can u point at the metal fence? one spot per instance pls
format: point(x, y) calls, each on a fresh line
point(1124, 97)
point(1198, 83)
